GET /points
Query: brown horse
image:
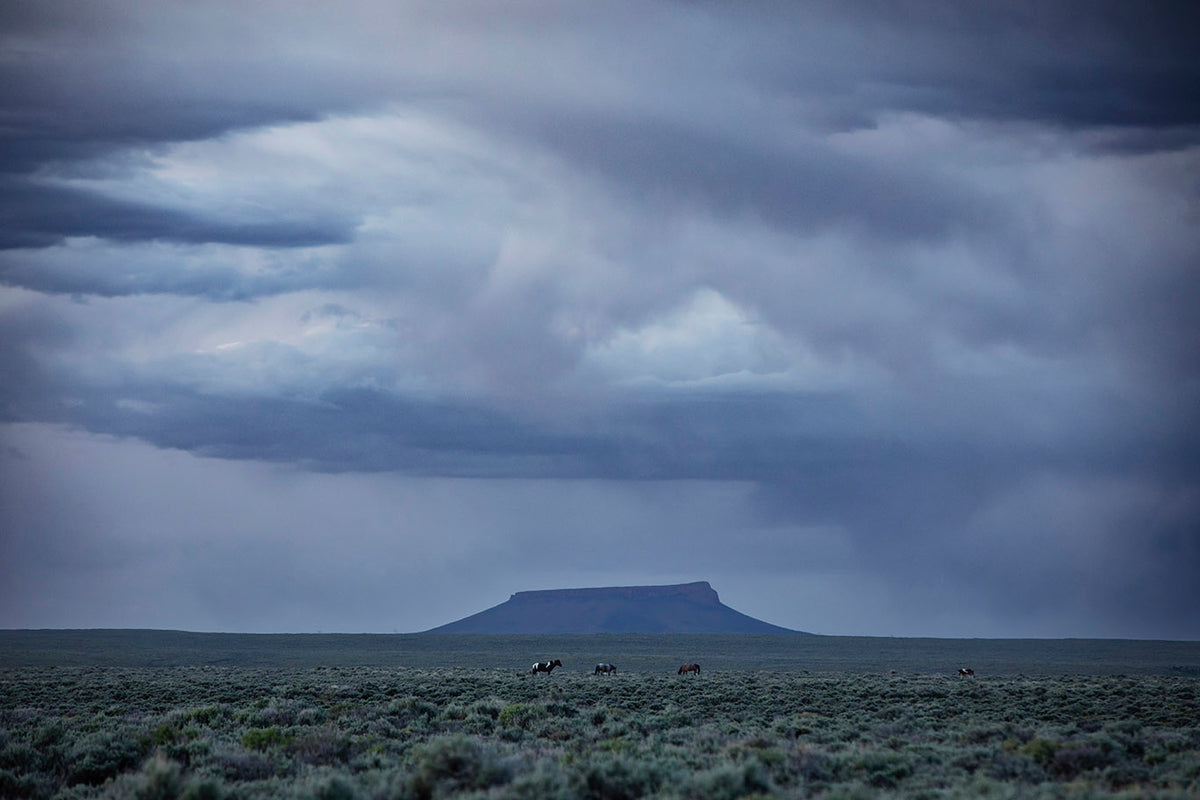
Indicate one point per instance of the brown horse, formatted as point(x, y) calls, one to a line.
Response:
point(966, 672)
point(689, 668)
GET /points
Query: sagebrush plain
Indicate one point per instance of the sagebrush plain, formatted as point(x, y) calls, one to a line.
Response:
point(164, 715)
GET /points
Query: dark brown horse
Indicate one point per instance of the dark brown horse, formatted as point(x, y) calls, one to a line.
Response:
point(544, 666)
point(604, 669)
point(689, 668)
point(966, 672)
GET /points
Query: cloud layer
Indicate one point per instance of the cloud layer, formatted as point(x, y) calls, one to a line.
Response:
point(879, 319)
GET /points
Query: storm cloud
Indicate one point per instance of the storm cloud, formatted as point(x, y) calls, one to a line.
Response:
point(879, 318)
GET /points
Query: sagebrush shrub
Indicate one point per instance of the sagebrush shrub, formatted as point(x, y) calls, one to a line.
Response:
point(617, 777)
point(158, 779)
point(265, 738)
point(520, 715)
point(323, 745)
point(455, 763)
point(728, 782)
point(97, 757)
point(204, 788)
point(329, 787)
point(1072, 760)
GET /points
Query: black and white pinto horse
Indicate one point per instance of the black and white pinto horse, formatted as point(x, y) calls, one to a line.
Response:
point(686, 668)
point(544, 666)
point(605, 669)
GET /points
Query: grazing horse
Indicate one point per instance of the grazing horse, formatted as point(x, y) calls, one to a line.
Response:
point(686, 668)
point(604, 669)
point(544, 666)
point(966, 672)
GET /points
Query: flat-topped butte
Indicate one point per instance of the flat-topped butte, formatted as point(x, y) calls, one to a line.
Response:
point(677, 608)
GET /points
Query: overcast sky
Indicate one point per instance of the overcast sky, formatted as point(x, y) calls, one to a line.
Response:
point(879, 317)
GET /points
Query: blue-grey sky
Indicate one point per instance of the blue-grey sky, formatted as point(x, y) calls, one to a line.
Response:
point(880, 317)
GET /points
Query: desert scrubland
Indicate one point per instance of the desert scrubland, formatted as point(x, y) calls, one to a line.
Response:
point(478, 728)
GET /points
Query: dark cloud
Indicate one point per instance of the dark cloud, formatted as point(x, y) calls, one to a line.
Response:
point(803, 189)
point(82, 82)
point(1074, 64)
point(36, 217)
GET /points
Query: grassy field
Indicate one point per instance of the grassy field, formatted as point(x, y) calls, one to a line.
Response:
point(632, 652)
point(163, 715)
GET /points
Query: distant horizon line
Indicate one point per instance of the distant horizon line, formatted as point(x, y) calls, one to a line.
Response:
point(426, 633)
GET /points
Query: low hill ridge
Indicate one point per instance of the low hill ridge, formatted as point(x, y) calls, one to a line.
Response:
point(677, 608)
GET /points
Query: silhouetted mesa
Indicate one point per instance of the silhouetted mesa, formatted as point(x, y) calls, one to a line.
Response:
point(681, 608)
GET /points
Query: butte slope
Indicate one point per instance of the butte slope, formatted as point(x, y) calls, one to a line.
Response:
point(680, 608)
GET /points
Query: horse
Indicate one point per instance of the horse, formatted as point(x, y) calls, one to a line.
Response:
point(604, 669)
point(544, 666)
point(966, 672)
point(686, 668)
